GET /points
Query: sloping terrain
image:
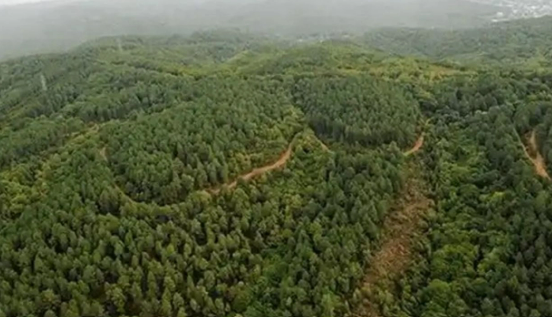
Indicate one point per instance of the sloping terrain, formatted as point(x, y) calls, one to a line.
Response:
point(108, 152)
point(512, 41)
point(282, 160)
point(120, 139)
point(400, 231)
point(533, 154)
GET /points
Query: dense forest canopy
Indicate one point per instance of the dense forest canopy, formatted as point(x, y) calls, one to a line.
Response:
point(232, 174)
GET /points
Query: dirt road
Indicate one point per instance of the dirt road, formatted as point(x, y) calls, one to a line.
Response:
point(284, 157)
point(533, 154)
point(417, 146)
point(261, 170)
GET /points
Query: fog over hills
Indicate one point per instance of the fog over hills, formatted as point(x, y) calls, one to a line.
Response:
point(56, 25)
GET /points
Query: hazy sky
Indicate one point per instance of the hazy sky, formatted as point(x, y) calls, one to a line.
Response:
point(11, 2)
point(19, 1)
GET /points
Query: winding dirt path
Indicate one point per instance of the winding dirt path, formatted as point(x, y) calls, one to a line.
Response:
point(533, 154)
point(284, 157)
point(258, 171)
point(417, 146)
point(396, 250)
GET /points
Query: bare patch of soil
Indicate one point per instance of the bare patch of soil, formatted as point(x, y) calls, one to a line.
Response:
point(396, 250)
point(533, 154)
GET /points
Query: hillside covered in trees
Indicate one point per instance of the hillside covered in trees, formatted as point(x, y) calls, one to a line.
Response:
point(502, 43)
point(230, 174)
point(44, 26)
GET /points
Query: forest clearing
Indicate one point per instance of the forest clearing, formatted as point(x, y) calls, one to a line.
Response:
point(396, 249)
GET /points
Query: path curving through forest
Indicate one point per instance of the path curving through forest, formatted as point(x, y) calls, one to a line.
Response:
point(533, 154)
point(282, 160)
point(417, 146)
point(284, 157)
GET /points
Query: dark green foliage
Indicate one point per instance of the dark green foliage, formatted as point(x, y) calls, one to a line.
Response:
point(117, 170)
point(21, 143)
point(360, 110)
point(108, 174)
point(487, 253)
point(204, 143)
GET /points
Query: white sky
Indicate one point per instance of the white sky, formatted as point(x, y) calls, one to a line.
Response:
point(9, 2)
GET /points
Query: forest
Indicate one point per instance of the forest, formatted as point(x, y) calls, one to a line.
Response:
point(233, 174)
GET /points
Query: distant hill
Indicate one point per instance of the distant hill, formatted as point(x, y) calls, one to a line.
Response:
point(58, 25)
point(514, 40)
